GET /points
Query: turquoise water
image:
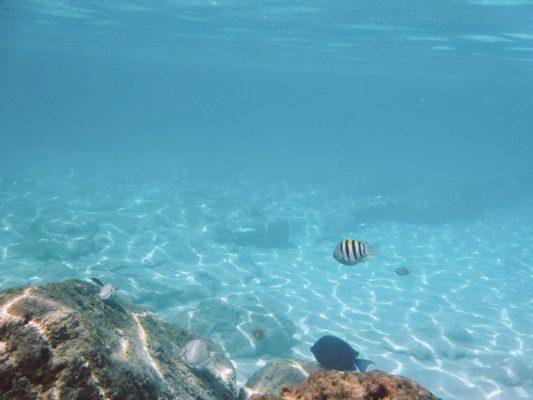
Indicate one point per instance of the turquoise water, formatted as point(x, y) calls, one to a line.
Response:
point(207, 156)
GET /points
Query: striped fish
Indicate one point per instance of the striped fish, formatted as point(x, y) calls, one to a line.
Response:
point(350, 252)
point(258, 333)
point(401, 271)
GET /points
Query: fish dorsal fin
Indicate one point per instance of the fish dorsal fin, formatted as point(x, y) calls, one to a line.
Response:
point(97, 282)
point(362, 364)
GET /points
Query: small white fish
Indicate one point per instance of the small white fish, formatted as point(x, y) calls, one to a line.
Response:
point(107, 292)
point(350, 252)
point(196, 354)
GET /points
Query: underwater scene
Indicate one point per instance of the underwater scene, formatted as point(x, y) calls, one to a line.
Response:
point(266, 173)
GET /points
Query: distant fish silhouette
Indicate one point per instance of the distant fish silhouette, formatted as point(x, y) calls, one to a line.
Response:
point(196, 354)
point(258, 333)
point(334, 353)
point(402, 271)
point(350, 252)
point(97, 281)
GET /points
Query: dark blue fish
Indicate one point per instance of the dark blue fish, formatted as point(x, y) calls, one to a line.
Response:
point(242, 394)
point(334, 353)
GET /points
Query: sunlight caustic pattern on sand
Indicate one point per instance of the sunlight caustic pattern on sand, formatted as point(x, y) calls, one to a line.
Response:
point(224, 259)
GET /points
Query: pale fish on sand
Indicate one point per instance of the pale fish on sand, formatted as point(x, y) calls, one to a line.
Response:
point(107, 292)
point(196, 353)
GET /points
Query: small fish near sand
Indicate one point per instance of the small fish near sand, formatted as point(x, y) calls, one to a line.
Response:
point(258, 333)
point(402, 271)
point(350, 252)
point(107, 292)
point(196, 354)
point(334, 353)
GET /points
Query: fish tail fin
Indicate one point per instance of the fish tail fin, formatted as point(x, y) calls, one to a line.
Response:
point(362, 364)
point(372, 249)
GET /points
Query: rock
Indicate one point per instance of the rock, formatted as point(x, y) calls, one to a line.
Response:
point(63, 341)
point(458, 335)
point(164, 294)
point(51, 238)
point(217, 319)
point(248, 268)
point(510, 372)
point(270, 235)
point(373, 385)
point(280, 373)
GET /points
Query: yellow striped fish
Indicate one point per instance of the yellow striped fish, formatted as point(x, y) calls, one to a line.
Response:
point(350, 252)
point(258, 333)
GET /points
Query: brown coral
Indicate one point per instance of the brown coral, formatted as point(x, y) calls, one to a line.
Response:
point(374, 385)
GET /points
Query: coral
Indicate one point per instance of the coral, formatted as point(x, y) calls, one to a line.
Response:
point(334, 385)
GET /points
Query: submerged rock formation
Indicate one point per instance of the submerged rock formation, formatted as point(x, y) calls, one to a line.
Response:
point(374, 385)
point(269, 235)
point(61, 341)
point(216, 318)
point(278, 374)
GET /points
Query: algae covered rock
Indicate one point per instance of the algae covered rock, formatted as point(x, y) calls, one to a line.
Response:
point(278, 374)
point(373, 385)
point(63, 341)
point(217, 319)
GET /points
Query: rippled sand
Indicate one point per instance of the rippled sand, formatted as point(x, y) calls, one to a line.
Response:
point(228, 249)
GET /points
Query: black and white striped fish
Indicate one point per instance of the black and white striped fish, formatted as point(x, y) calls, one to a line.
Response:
point(350, 252)
point(258, 333)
